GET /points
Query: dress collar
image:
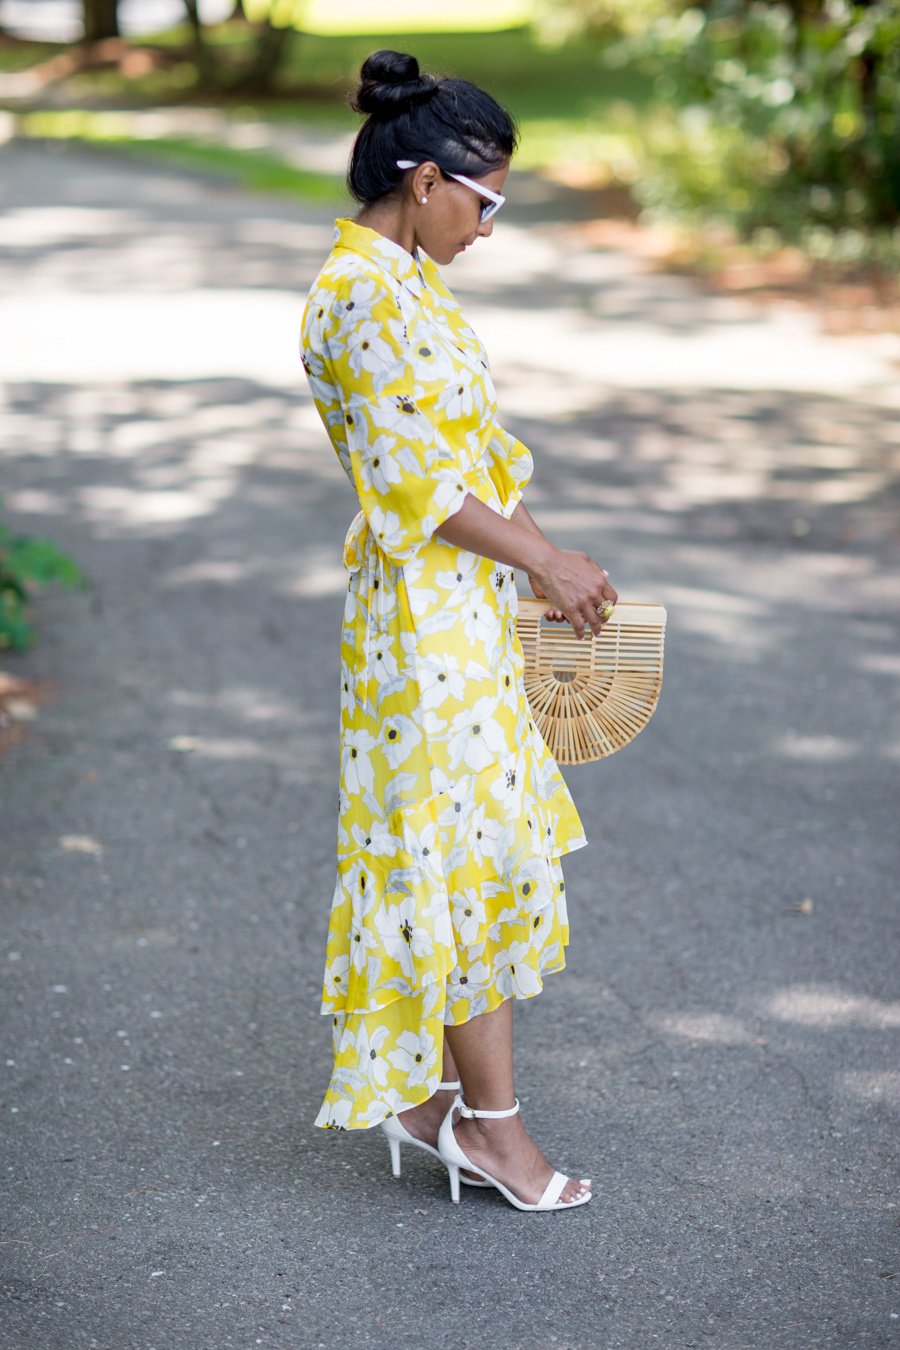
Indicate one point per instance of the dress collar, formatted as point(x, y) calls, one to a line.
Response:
point(392, 257)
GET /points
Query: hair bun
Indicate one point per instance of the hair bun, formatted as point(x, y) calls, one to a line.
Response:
point(389, 84)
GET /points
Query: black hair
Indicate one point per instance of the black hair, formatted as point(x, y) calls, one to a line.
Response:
point(422, 117)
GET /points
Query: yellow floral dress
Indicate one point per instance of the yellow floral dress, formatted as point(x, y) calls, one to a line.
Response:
point(453, 814)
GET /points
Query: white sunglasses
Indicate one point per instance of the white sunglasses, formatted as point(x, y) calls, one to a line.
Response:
point(492, 207)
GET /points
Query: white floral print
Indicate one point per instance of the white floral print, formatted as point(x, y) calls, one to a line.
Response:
point(453, 816)
point(415, 1056)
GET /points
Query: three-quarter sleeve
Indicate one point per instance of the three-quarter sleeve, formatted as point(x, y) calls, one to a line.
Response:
point(397, 433)
point(510, 466)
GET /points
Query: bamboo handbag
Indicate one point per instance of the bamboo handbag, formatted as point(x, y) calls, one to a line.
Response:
point(590, 698)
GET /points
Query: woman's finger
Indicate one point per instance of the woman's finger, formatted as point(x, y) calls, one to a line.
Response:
point(593, 619)
point(577, 622)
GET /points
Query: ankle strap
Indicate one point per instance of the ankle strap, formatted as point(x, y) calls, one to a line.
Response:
point(470, 1113)
point(448, 1087)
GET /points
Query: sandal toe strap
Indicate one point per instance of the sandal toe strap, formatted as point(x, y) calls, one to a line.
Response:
point(554, 1190)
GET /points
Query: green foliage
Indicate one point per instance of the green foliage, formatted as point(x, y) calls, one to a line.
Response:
point(784, 119)
point(558, 22)
point(26, 562)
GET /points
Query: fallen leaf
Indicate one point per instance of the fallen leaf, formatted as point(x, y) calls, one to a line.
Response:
point(81, 843)
point(21, 709)
point(9, 684)
point(184, 743)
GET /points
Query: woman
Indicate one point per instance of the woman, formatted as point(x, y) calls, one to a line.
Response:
point(453, 815)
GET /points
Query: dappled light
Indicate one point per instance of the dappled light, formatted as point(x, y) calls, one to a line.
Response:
point(722, 1046)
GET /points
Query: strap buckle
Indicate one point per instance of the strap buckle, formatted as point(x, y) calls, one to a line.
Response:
point(471, 1114)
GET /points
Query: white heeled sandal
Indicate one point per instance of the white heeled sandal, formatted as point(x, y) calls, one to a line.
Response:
point(453, 1159)
point(398, 1134)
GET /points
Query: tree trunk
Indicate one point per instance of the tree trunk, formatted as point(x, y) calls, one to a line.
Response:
point(270, 45)
point(100, 20)
point(194, 20)
point(203, 53)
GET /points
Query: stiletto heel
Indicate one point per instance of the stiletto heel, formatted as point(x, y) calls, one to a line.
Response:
point(398, 1134)
point(453, 1158)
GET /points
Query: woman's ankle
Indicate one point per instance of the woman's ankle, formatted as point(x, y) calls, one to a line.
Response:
point(494, 1135)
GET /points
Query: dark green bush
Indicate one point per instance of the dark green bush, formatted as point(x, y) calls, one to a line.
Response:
point(26, 562)
point(806, 101)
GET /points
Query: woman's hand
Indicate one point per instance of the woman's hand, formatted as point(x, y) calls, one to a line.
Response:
point(577, 588)
point(554, 615)
point(521, 517)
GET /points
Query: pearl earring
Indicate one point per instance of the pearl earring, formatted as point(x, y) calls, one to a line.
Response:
point(424, 201)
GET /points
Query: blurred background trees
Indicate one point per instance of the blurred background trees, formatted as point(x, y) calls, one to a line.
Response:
point(794, 113)
point(779, 119)
point(773, 123)
point(101, 19)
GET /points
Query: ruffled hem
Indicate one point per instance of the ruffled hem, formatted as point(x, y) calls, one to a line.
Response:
point(390, 1060)
point(441, 877)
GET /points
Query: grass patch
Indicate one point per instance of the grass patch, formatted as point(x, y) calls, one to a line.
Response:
point(316, 73)
point(531, 80)
point(251, 169)
point(255, 170)
point(20, 55)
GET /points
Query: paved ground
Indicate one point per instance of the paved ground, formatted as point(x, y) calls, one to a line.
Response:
point(724, 1066)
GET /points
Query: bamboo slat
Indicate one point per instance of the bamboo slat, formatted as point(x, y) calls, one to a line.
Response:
point(590, 698)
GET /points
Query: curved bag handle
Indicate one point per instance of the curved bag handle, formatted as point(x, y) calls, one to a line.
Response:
point(590, 698)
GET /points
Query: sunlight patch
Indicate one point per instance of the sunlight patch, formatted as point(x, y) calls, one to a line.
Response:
point(706, 1027)
point(817, 749)
point(319, 581)
point(827, 1008)
point(873, 1087)
point(130, 506)
point(211, 569)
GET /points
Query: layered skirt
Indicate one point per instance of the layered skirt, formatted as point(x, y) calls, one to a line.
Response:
point(454, 817)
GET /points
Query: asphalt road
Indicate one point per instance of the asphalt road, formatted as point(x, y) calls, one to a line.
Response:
point(721, 1052)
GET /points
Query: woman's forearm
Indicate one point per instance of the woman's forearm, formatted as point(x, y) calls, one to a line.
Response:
point(521, 516)
point(572, 582)
point(478, 529)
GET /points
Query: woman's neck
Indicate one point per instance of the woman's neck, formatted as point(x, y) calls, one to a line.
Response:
point(392, 222)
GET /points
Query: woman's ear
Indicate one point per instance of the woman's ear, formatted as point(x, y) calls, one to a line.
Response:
point(424, 180)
